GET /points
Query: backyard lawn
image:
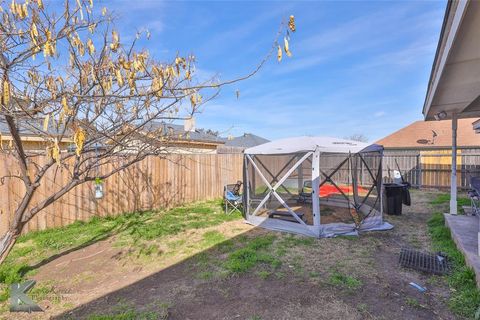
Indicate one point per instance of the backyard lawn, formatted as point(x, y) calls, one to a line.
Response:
point(194, 262)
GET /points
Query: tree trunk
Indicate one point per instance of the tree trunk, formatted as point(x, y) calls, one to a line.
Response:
point(7, 242)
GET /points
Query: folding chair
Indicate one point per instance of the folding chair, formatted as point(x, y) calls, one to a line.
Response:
point(305, 195)
point(474, 195)
point(232, 198)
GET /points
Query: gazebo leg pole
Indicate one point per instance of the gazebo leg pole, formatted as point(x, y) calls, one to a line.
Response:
point(453, 179)
point(316, 190)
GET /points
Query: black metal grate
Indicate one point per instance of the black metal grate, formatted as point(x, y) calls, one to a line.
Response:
point(436, 263)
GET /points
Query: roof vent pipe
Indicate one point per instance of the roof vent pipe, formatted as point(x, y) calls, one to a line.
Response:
point(189, 125)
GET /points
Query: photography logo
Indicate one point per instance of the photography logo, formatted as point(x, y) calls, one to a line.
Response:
point(19, 301)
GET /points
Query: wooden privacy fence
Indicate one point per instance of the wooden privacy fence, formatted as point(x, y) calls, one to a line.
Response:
point(162, 182)
point(423, 169)
point(152, 183)
point(431, 169)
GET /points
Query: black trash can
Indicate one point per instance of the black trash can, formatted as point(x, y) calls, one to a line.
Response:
point(406, 194)
point(394, 197)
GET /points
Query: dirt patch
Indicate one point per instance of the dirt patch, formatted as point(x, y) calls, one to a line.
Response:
point(190, 284)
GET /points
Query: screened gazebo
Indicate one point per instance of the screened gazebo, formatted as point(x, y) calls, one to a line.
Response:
point(316, 186)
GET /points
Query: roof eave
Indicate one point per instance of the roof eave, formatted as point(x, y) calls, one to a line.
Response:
point(443, 49)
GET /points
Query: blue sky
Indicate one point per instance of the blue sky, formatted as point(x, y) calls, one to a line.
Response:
point(357, 67)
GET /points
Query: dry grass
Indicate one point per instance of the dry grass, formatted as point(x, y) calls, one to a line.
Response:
point(235, 271)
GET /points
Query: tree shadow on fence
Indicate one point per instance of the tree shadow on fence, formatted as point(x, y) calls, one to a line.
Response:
point(135, 189)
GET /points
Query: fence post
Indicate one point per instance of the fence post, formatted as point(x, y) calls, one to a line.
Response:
point(419, 170)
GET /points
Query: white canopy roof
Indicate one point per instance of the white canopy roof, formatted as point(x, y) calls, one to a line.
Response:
point(305, 144)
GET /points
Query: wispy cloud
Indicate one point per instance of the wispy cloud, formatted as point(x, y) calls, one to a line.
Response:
point(366, 32)
point(222, 40)
point(405, 57)
point(359, 67)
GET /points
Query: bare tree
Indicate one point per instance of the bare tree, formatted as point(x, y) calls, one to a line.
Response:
point(358, 137)
point(69, 67)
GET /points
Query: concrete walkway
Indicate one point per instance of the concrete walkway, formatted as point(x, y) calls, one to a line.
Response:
point(464, 231)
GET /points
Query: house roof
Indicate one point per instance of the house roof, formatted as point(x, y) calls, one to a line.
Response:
point(29, 127)
point(247, 140)
point(420, 134)
point(178, 132)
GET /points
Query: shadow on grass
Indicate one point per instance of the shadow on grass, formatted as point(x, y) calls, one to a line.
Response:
point(206, 285)
point(37, 249)
point(257, 274)
point(226, 281)
point(254, 275)
point(25, 269)
point(55, 240)
point(83, 245)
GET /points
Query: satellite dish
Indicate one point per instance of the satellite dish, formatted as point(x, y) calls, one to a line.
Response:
point(423, 141)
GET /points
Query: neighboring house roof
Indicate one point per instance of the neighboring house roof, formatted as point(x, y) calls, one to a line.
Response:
point(29, 127)
point(247, 140)
point(420, 135)
point(178, 132)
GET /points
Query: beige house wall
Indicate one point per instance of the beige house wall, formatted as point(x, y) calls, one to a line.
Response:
point(32, 143)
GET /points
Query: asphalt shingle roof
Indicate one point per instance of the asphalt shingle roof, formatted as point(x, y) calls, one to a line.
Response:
point(176, 130)
point(419, 134)
point(248, 140)
point(27, 127)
